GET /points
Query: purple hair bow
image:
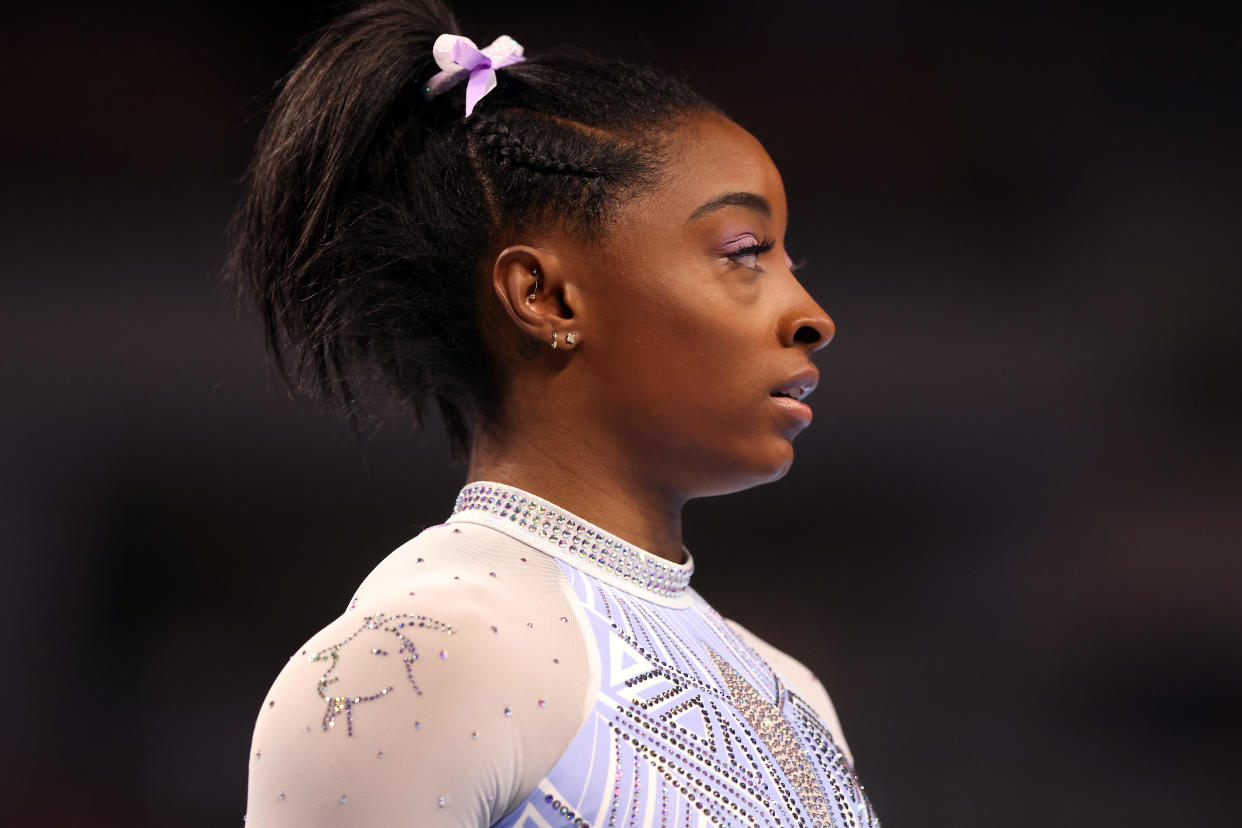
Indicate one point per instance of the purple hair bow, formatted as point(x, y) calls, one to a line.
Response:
point(459, 57)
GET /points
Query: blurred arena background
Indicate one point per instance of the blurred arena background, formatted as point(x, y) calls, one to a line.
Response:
point(1009, 545)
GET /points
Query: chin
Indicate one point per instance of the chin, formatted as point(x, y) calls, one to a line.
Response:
point(756, 469)
point(786, 463)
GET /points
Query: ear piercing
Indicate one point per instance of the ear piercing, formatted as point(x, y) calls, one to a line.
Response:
point(534, 271)
point(570, 338)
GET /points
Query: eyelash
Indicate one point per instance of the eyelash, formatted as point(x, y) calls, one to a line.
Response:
point(755, 250)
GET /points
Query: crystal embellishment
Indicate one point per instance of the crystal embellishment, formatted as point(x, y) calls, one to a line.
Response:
point(782, 742)
point(380, 629)
point(572, 537)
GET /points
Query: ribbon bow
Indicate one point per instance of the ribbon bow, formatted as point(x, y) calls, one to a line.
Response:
point(458, 57)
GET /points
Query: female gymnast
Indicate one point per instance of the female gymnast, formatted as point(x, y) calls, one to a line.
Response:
point(580, 265)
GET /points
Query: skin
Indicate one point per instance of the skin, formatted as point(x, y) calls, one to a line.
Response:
point(666, 394)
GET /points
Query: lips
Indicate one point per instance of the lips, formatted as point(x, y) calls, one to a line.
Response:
point(790, 393)
point(798, 387)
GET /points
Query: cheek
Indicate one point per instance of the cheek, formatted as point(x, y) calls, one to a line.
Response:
point(685, 303)
point(693, 369)
point(685, 390)
point(679, 339)
point(684, 343)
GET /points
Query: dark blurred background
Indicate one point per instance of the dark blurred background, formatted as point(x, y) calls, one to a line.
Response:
point(1010, 543)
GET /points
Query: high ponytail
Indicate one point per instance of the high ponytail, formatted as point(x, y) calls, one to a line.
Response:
point(369, 209)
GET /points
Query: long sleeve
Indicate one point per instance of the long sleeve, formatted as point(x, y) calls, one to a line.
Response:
point(447, 690)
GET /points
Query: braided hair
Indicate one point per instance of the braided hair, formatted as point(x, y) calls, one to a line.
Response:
point(370, 211)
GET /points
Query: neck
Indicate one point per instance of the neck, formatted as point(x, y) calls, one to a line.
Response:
point(578, 479)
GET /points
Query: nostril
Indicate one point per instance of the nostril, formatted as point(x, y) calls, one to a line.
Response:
point(807, 335)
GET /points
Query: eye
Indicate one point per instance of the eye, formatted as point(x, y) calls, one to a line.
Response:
point(749, 256)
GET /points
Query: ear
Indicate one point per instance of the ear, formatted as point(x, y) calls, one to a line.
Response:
point(537, 292)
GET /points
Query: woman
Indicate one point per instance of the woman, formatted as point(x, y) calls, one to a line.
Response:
point(581, 265)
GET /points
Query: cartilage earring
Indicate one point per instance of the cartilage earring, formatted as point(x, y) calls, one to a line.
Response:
point(571, 337)
point(554, 336)
point(534, 271)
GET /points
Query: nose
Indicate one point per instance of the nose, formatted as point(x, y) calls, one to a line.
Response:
point(812, 326)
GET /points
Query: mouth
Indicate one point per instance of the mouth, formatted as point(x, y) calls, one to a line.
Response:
point(798, 387)
point(790, 395)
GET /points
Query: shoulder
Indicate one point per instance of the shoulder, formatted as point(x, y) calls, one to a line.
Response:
point(439, 697)
point(798, 678)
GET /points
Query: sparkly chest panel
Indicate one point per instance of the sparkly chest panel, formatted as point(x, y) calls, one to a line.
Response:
point(689, 727)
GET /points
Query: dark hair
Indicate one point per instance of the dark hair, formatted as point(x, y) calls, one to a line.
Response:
point(369, 209)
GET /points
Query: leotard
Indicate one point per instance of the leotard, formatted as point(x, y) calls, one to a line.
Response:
point(519, 666)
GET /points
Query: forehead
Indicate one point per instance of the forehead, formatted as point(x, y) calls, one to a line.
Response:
point(709, 155)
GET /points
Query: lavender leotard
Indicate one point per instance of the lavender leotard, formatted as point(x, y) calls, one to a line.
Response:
point(518, 666)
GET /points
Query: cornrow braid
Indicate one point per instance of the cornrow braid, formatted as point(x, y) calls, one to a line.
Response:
point(537, 169)
point(512, 147)
point(369, 210)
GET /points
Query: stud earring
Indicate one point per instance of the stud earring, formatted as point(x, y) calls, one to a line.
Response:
point(571, 337)
point(554, 336)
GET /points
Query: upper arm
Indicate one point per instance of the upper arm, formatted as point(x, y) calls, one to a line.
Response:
point(368, 725)
point(437, 701)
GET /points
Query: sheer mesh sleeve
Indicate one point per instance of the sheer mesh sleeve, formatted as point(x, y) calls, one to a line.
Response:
point(452, 684)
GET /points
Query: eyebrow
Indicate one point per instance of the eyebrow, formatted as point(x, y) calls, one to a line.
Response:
point(752, 201)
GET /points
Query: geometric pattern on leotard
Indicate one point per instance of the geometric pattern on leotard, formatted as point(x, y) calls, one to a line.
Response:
point(690, 727)
point(778, 735)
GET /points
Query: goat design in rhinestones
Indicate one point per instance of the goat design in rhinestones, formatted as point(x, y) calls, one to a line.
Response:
point(379, 630)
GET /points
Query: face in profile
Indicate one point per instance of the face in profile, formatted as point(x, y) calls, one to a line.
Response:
point(700, 334)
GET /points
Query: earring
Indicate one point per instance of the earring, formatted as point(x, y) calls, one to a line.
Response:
point(571, 337)
point(554, 336)
point(534, 271)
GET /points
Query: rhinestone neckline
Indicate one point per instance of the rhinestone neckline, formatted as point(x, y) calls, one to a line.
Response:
point(578, 542)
